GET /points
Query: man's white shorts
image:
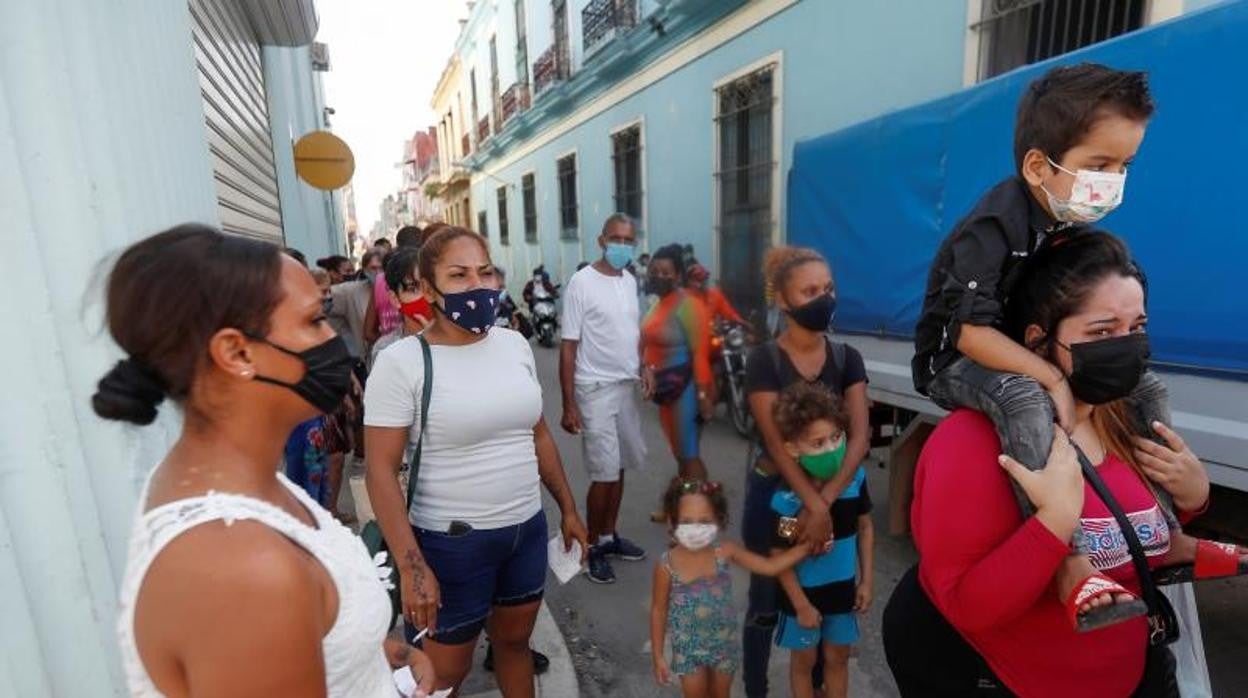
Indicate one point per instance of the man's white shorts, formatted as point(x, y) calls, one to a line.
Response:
point(610, 429)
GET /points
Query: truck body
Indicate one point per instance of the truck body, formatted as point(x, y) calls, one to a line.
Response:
point(878, 198)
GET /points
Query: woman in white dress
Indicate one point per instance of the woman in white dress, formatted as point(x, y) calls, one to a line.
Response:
point(237, 583)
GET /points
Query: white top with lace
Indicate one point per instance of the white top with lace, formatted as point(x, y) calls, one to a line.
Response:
point(355, 665)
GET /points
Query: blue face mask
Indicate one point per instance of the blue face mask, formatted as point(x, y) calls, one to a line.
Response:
point(618, 255)
point(474, 310)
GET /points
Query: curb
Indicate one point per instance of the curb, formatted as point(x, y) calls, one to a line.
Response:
point(560, 680)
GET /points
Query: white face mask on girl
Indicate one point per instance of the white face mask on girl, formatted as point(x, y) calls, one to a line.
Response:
point(696, 536)
point(1092, 196)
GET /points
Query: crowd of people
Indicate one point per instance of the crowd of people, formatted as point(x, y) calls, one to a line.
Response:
point(1048, 506)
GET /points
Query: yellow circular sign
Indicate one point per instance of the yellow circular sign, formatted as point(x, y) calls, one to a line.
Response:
point(324, 160)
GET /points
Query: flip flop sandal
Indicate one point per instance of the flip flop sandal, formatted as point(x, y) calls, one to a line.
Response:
point(1101, 616)
point(1213, 561)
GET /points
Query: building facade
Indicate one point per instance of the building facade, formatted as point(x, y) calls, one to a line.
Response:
point(684, 113)
point(420, 164)
point(454, 143)
point(117, 120)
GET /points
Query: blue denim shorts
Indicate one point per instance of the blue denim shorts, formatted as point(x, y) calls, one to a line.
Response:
point(480, 569)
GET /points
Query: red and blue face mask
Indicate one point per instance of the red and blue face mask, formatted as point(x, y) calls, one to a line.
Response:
point(416, 309)
point(474, 310)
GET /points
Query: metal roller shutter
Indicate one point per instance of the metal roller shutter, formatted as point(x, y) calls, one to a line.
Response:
point(231, 81)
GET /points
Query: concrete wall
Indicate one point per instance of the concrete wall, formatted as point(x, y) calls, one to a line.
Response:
point(311, 218)
point(842, 62)
point(102, 141)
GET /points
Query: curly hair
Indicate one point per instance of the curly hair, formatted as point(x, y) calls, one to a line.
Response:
point(681, 487)
point(780, 263)
point(803, 404)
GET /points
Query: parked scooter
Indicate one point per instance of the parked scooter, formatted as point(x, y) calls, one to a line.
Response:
point(728, 350)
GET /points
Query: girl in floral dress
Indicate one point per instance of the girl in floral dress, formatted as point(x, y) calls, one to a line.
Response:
point(692, 599)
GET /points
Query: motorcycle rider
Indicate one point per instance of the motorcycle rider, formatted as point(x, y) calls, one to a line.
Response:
point(717, 306)
point(541, 278)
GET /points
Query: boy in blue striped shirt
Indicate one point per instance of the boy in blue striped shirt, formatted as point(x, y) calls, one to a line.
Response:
point(823, 593)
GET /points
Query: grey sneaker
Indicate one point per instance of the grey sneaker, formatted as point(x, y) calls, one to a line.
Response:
point(622, 549)
point(599, 570)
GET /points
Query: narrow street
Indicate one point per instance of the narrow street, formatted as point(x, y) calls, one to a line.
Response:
point(606, 627)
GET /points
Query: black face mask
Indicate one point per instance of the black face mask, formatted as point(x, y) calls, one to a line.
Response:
point(1107, 369)
point(815, 315)
point(327, 373)
point(661, 286)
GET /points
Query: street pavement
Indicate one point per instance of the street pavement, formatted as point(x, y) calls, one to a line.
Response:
point(606, 627)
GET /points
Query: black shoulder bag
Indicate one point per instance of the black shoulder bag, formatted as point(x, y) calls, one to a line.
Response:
point(374, 541)
point(1159, 680)
point(1163, 625)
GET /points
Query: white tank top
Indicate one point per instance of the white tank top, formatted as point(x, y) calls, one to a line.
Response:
point(355, 665)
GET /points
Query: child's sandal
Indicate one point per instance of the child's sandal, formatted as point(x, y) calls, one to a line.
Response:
point(1101, 616)
point(1213, 561)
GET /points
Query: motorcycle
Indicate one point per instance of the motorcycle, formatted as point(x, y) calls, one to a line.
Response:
point(545, 319)
point(728, 350)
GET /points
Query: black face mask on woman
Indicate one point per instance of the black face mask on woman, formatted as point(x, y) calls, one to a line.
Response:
point(1105, 370)
point(661, 286)
point(815, 315)
point(326, 376)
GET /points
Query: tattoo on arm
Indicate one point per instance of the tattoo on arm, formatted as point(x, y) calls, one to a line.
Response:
point(416, 564)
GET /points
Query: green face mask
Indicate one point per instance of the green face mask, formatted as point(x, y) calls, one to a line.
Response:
point(824, 465)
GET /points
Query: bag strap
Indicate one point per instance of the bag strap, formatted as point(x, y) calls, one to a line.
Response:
point(773, 353)
point(838, 361)
point(1138, 558)
point(426, 390)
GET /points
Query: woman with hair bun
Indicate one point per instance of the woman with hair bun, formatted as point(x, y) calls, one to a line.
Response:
point(237, 582)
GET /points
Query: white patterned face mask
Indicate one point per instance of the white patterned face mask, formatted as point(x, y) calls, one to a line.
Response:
point(1092, 196)
point(696, 536)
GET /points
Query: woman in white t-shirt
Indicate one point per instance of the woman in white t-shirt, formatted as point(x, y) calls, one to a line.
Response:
point(471, 548)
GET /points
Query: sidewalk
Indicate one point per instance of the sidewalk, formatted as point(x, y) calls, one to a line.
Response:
point(558, 682)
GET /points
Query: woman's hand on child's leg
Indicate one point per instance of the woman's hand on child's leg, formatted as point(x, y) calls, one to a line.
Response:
point(1175, 468)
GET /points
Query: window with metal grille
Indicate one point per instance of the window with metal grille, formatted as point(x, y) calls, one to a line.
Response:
point(1013, 33)
point(568, 219)
point(626, 157)
point(483, 224)
point(746, 164)
point(528, 197)
point(504, 233)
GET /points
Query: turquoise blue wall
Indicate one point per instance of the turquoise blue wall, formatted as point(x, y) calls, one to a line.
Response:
point(842, 62)
point(311, 218)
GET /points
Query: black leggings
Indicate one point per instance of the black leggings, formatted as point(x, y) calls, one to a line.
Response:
point(927, 656)
point(930, 659)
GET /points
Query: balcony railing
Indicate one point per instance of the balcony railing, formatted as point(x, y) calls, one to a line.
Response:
point(603, 19)
point(514, 101)
point(551, 67)
point(466, 142)
point(483, 129)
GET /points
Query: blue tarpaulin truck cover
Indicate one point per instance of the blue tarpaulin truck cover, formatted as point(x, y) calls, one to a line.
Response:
point(877, 198)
